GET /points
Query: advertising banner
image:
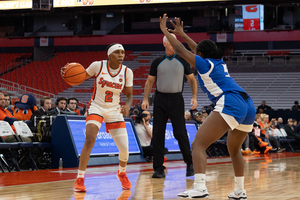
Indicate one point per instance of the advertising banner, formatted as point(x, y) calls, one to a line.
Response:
point(11, 5)
point(75, 3)
point(104, 144)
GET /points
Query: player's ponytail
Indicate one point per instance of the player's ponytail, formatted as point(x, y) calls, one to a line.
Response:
point(209, 49)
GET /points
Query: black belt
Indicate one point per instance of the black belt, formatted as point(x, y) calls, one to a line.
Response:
point(168, 94)
point(244, 95)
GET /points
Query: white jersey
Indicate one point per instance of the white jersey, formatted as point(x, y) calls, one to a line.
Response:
point(108, 86)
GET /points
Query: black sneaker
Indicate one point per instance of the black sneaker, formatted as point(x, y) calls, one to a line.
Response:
point(148, 159)
point(281, 150)
point(158, 174)
point(189, 170)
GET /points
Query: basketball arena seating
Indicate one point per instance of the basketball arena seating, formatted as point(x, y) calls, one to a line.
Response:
point(11, 61)
point(7, 58)
point(279, 90)
point(264, 58)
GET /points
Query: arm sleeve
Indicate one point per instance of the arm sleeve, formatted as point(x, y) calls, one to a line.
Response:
point(202, 65)
point(187, 69)
point(93, 69)
point(10, 120)
point(153, 68)
point(129, 78)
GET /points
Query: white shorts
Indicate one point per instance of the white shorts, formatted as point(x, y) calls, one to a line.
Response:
point(239, 113)
point(233, 124)
point(111, 116)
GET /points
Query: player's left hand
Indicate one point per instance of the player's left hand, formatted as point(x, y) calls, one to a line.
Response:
point(194, 103)
point(163, 23)
point(178, 27)
point(124, 110)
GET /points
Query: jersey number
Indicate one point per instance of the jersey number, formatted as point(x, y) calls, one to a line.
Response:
point(108, 96)
point(226, 70)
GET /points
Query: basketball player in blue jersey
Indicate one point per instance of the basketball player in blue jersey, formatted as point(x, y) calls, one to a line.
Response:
point(234, 110)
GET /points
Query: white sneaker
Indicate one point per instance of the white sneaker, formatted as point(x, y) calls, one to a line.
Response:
point(238, 195)
point(194, 192)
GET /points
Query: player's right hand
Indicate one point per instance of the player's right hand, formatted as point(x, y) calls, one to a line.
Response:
point(62, 70)
point(145, 105)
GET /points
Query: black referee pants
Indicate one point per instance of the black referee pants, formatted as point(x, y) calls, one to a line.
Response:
point(169, 105)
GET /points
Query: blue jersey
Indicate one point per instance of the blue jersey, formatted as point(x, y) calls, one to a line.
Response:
point(214, 78)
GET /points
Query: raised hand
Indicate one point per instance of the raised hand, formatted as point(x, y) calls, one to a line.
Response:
point(163, 23)
point(178, 26)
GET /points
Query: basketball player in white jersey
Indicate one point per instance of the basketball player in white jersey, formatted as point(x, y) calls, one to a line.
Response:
point(110, 79)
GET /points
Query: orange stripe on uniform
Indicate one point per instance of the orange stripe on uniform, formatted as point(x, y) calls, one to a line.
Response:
point(100, 69)
point(94, 117)
point(115, 125)
point(95, 88)
point(95, 82)
point(125, 76)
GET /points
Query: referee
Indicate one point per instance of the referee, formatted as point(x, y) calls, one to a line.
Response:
point(169, 71)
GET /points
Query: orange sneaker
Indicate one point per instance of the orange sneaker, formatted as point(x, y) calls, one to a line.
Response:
point(79, 195)
point(125, 183)
point(244, 152)
point(256, 152)
point(263, 144)
point(125, 194)
point(268, 149)
point(79, 185)
point(250, 152)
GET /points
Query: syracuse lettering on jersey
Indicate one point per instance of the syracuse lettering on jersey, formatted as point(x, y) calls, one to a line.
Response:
point(103, 83)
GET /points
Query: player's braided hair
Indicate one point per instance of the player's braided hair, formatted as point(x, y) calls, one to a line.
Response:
point(209, 49)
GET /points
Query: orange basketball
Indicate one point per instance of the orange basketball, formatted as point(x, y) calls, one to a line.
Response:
point(74, 74)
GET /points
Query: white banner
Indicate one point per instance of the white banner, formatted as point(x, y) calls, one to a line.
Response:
point(44, 42)
point(221, 37)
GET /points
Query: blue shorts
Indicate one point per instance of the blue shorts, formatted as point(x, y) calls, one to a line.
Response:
point(237, 109)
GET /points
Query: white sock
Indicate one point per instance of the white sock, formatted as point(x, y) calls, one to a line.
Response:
point(122, 169)
point(80, 174)
point(200, 180)
point(239, 183)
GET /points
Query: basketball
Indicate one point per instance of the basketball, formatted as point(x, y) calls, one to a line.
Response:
point(74, 74)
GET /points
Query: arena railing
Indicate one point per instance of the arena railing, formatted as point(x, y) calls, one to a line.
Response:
point(251, 60)
point(22, 89)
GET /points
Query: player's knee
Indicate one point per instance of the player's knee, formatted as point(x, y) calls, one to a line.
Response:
point(123, 155)
point(90, 141)
point(198, 145)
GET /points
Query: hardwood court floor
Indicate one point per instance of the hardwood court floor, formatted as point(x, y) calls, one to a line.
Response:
point(274, 176)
